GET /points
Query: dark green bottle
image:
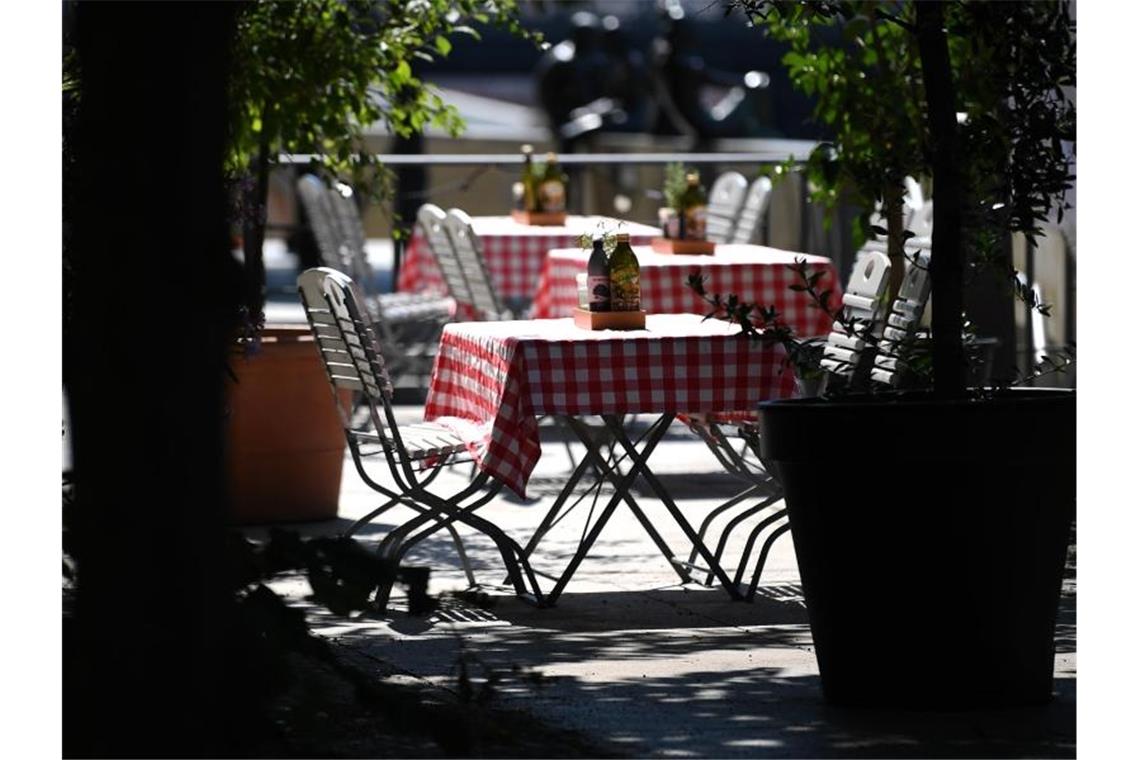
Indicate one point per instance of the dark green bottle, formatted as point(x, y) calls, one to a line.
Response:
point(552, 187)
point(598, 278)
point(529, 197)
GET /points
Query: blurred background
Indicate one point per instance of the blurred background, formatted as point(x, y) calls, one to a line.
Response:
point(619, 76)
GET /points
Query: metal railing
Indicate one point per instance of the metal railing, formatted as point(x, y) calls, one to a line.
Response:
point(814, 236)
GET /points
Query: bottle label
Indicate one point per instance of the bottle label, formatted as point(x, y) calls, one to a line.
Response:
point(695, 222)
point(598, 292)
point(625, 291)
point(552, 196)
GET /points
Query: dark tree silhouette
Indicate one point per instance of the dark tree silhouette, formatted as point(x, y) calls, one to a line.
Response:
point(153, 290)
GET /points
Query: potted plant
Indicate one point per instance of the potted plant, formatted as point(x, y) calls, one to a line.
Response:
point(672, 190)
point(309, 78)
point(931, 541)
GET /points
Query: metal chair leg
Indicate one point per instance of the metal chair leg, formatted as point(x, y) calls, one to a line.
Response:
point(722, 542)
point(751, 593)
point(770, 520)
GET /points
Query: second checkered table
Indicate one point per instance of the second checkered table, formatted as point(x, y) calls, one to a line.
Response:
point(755, 273)
point(514, 252)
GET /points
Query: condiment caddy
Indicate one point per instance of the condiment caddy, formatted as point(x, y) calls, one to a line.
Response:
point(684, 221)
point(540, 196)
point(612, 295)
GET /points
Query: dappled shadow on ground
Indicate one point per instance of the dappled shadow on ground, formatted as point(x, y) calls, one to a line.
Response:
point(685, 671)
point(676, 607)
point(759, 711)
point(677, 672)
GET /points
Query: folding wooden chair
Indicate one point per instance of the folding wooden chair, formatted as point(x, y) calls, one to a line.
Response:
point(485, 299)
point(754, 212)
point(415, 454)
point(725, 199)
point(845, 356)
point(408, 324)
point(905, 315)
point(433, 222)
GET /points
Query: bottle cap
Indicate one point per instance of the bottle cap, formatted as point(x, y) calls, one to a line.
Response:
point(623, 237)
point(527, 149)
point(693, 178)
point(599, 240)
point(551, 157)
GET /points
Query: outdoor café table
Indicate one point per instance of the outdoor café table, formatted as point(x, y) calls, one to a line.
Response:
point(498, 378)
point(514, 252)
point(755, 273)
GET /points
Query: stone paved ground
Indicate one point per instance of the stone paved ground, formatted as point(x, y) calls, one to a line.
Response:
point(640, 664)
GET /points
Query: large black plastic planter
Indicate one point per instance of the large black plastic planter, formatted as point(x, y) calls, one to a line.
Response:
point(931, 539)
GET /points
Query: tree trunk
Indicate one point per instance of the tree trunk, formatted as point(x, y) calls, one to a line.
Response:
point(946, 254)
point(154, 293)
point(893, 213)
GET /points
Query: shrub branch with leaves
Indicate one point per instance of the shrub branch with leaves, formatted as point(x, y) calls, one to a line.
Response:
point(970, 93)
point(310, 76)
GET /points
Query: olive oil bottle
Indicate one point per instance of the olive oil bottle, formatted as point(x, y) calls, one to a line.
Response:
point(552, 187)
point(625, 277)
point(529, 195)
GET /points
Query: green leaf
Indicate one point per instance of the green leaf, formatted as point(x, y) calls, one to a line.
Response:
point(402, 73)
point(442, 44)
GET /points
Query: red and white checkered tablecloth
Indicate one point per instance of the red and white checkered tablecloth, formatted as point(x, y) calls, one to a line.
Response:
point(515, 252)
point(755, 273)
point(493, 379)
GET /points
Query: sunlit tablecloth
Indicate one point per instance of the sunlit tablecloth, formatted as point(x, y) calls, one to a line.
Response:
point(755, 273)
point(495, 378)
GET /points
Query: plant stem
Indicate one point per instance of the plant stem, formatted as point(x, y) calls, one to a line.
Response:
point(946, 253)
point(893, 213)
point(253, 233)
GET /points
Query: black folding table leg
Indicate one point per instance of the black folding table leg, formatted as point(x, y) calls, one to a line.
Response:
point(641, 465)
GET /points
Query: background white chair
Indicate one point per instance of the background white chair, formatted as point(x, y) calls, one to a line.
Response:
point(408, 325)
point(753, 212)
point(844, 355)
point(433, 223)
point(725, 199)
point(485, 300)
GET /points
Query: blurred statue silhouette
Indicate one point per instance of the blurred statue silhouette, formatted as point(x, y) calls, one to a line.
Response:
point(598, 80)
point(696, 99)
point(594, 80)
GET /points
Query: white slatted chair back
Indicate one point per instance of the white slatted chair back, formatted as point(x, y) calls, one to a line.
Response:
point(862, 302)
point(469, 250)
point(903, 319)
point(316, 200)
point(725, 199)
point(922, 222)
point(753, 212)
point(352, 237)
point(433, 223)
point(345, 339)
point(913, 198)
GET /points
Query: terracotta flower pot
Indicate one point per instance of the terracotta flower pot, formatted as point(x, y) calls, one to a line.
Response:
point(284, 440)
